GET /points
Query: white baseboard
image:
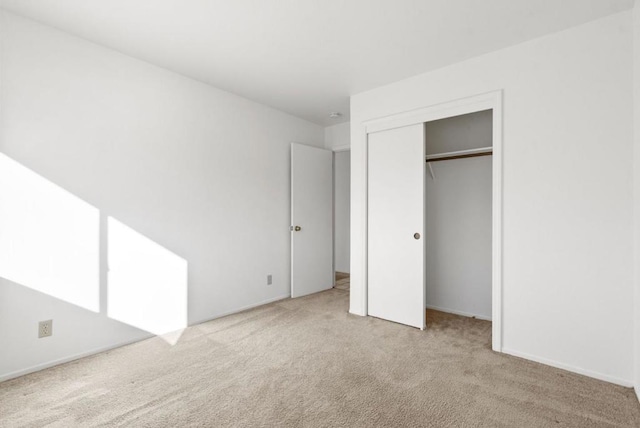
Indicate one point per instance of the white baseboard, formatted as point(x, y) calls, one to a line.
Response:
point(243, 308)
point(74, 357)
point(637, 389)
point(455, 312)
point(570, 368)
point(359, 313)
point(49, 364)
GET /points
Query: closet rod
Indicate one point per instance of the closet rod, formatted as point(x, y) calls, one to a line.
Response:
point(470, 155)
point(483, 151)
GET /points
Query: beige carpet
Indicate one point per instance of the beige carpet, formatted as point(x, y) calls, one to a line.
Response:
point(343, 281)
point(307, 363)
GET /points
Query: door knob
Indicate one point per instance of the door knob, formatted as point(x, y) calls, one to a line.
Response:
point(297, 228)
point(416, 235)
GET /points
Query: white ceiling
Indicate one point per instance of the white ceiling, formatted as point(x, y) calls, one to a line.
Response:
point(306, 57)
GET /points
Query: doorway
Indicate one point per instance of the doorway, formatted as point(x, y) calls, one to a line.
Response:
point(458, 215)
point(342, 218)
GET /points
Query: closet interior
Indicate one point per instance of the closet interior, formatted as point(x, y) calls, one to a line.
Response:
point(458, 215)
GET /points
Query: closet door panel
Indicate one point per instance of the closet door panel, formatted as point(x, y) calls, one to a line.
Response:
point(396, 249)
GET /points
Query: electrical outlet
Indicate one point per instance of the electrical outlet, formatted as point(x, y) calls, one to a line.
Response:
point(269, 279)
point(45, 328)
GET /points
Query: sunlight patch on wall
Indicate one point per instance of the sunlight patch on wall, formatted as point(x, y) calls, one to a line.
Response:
point(49, 238)
point(147, 285)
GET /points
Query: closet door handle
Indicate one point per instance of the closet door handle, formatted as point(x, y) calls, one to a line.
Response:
point(416, 235)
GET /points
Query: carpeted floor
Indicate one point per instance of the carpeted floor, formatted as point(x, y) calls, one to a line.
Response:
point(343, 281)
point(308, 363)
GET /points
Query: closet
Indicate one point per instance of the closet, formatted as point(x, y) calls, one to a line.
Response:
point(458, 214)
point(429, 216)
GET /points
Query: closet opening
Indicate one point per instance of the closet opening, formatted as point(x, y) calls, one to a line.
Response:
point(459, 221)
point(433, 219)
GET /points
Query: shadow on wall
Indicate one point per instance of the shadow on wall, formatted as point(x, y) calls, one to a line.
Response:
point(50, 242)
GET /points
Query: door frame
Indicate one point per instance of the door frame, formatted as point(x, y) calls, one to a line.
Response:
point(487, 101)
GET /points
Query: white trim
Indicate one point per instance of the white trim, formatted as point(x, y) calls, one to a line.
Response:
point(341, 148)
point(569, 367)
point(488, 101)
point(333, 220)
point(364, 308)
point(496, 229)
point(424, 226)
point(49, 364)
point(38, 367)
point(637, 389)
point(242, 309)
point(456, 312)
point(457, 107)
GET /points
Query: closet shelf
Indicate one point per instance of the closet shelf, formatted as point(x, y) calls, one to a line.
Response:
point(481, 151)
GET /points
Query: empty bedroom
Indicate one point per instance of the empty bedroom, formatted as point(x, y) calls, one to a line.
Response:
point(304, 213)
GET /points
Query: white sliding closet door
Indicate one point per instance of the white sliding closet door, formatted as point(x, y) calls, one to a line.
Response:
point(396, 249)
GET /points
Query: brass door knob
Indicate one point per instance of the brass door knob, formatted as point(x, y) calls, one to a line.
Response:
point(297, 228)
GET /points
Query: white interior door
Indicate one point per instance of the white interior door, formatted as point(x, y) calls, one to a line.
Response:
point(311, 220)
point(396, 250)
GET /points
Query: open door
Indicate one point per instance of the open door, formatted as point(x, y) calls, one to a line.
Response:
point(311, 220)
point(396, 219)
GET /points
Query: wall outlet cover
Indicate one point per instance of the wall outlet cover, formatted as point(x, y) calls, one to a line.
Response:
point(45, 328)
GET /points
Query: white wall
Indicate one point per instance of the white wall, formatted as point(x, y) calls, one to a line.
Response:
point(636, 49)
point(467, 131)
point(458, 217)
point(337, 137)
point(567, 191)
point(342, 201)
point(202, 173)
